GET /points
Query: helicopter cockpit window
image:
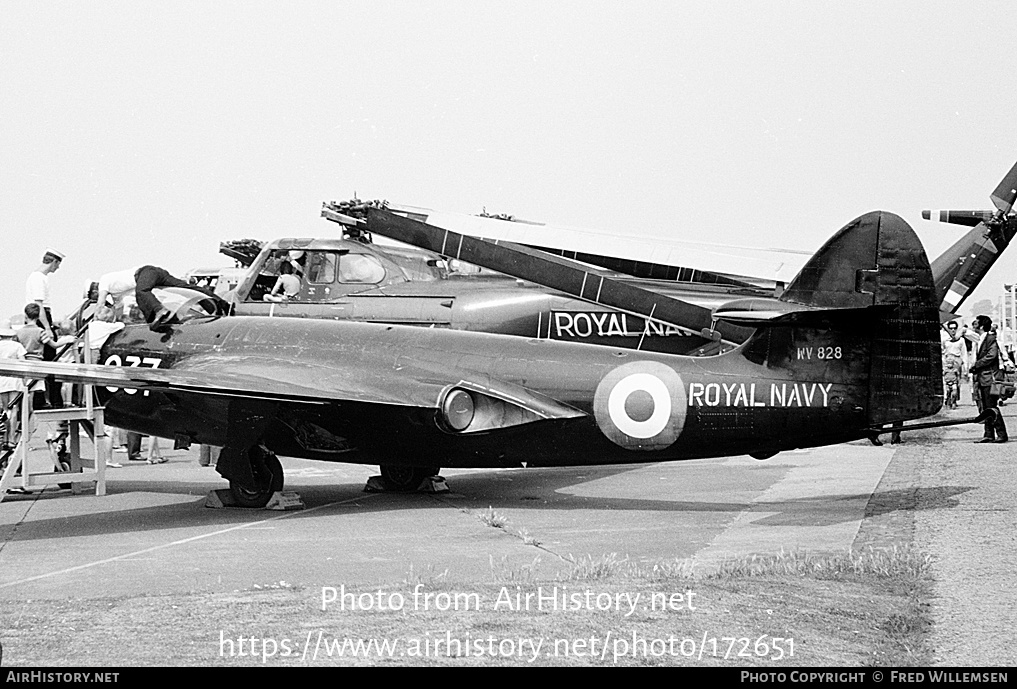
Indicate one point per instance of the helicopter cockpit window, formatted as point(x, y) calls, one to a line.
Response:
point(269, 274)
point(321, 267)
point(319, 273)
point(361, 268)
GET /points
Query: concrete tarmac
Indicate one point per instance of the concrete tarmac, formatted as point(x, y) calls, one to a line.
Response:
point(152, 533)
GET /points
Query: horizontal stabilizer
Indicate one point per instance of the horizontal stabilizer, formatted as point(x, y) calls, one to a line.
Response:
point(762, 313)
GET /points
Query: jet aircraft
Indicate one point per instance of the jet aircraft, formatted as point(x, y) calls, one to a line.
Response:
point(850, 347)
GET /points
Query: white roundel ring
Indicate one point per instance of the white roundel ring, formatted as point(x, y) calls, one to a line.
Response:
point(641, 405)
point(620, 393)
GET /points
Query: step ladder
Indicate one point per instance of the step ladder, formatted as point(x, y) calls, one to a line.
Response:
point(79, 472)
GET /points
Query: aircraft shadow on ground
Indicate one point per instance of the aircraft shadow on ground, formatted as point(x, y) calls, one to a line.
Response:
point(914, 499)
point(100, 518)
point(826, 510)
point(536, 489)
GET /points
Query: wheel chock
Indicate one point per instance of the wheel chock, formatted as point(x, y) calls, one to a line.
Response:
point(431, 484)
point(280, 500)
point(434, 484)
point(285, 500)
point(375, 484)
point(217, 499)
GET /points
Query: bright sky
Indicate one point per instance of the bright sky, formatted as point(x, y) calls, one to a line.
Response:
point(148, 132)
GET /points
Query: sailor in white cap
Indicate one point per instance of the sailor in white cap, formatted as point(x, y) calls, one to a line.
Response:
point(37, 285)
point(37, 291)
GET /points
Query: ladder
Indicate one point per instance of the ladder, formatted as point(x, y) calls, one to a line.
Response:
point(80, 471)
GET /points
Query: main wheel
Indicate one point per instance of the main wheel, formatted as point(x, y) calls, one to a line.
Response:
point(404, 479)
point(268, 479)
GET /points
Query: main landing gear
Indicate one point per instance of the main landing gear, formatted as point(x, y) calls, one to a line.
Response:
point(404, 479)
point(268, 479)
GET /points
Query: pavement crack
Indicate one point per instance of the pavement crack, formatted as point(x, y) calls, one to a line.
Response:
point(24, 516)
point(495, 520)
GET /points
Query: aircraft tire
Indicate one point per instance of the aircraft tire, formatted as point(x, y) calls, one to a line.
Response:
point(268, 474)
point(404, 479)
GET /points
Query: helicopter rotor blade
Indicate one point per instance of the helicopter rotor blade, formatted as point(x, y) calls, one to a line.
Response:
point(588, 284)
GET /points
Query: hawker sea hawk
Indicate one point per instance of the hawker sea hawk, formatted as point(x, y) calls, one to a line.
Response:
point(851, 347)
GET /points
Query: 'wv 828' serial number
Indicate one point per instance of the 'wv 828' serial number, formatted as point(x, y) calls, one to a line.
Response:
point(820, 353)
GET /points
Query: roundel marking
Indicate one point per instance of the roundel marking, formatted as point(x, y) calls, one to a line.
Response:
point(621, 414)
point(641, 405)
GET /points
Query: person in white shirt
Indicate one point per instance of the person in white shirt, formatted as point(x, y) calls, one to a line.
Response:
point(37, 292)
point(142, 281)
point(37, 287)
point(955, 362)
point(287, 286)
point(116, 286)
point(10, 348)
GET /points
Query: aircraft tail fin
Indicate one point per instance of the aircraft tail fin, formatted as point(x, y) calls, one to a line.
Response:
point(866, 301)
point(875, 259)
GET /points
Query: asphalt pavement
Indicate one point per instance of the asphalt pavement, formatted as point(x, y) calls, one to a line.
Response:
point(153, 534)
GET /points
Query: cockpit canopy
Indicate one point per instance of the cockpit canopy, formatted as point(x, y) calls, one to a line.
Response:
point(183, 303)
point(324, 270)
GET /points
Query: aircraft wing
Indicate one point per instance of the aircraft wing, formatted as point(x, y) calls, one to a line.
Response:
point(259, 377)
point(263, 385)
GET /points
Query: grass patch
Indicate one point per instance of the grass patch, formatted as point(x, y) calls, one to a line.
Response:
point(862, 608)
point(492, 518)
point(429, 575)
point(527, 538)
point(588, 568)
point(502, 571)
point(896, 562)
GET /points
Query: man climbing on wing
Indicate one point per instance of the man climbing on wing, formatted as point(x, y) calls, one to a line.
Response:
point(143, 280)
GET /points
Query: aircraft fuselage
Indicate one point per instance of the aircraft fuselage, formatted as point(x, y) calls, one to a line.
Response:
point(785, 391)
